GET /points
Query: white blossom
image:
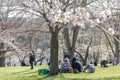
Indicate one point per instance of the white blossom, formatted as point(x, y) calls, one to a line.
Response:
point(111, 30)
point(77, 16)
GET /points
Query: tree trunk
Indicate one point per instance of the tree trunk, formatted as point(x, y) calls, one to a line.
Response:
point(2, 59)
point(71, 46)
point(2, 55)
point(87, 53)
point(81, 57)
point(75, 34)
point(40, 62)
point(109, 43)
point(54, 69)
point(96, 57)
point(117, 48)
point(67, 40)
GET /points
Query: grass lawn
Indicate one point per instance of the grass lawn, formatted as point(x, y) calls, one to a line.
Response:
point(25, 73)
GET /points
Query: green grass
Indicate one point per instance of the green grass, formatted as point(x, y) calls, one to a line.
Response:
point(25, 73)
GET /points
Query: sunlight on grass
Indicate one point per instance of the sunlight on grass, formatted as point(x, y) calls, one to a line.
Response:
point(25, 73)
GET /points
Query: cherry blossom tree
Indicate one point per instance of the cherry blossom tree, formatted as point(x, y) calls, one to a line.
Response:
point(9, 19)
point(62, 13)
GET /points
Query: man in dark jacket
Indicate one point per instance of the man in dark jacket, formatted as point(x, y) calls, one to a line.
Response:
point(31, 59)
point(77, 67)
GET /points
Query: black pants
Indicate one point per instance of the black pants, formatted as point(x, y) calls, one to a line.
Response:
point(31, 64)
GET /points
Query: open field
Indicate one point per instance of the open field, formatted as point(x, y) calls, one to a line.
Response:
point(25, 73)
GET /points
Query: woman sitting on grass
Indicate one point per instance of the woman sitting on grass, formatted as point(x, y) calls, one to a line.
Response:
point(89, 68)
point(65, 66)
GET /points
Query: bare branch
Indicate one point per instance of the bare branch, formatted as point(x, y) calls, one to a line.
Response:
point(104, 30)
point(36, 30)
point(91, 2)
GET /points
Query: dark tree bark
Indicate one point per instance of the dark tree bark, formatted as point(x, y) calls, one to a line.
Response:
point(81, 57)
point(2, 55)
point(87, 53)
point(75, 34)
point(39, 60)
point(67, 39)
point(71, 46)
point(96, 57)
point(2, 58)
point(109, 43)
point(117, 48)
point(54, 68)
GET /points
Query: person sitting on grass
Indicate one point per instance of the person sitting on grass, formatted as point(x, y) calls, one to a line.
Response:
point(48, 66)
point(23, 63)
point(103, 63)
point(66, 66)
point(89, 68)
point(77, 67)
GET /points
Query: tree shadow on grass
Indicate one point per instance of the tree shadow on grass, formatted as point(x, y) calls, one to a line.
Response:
point(112, 78)
point(62, 77)
point(20, 72)
point(106, 78)
point(27, 70)
point(47, 77)
point(33, 72)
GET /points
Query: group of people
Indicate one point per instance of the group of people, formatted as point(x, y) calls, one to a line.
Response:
point(113, 61)
point(66, 66)
point(75, 66)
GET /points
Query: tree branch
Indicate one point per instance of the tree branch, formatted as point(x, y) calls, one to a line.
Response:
point(104, 30)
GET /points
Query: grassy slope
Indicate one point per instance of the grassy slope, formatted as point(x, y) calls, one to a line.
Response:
point(24, 73)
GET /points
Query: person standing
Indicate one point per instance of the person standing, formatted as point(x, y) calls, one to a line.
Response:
point(114, 60)
point(31, 60)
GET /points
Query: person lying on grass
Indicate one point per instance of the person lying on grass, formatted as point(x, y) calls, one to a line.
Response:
point(89, 68)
